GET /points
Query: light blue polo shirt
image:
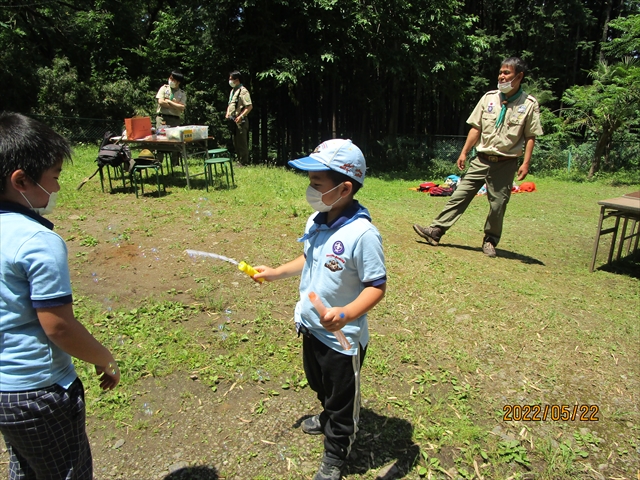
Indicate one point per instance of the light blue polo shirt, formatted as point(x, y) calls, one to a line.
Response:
point(34, 273)
point(341, 259)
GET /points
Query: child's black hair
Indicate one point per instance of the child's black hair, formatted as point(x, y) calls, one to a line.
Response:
point(339, 178)
point(29, 145)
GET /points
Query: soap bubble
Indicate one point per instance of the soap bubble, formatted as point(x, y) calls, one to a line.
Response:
point(282, 453)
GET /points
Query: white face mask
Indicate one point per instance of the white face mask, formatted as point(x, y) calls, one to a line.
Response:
point(505, 87)
point(53, 199)
point(173, 84)
point(314, 199)
point(232, 84)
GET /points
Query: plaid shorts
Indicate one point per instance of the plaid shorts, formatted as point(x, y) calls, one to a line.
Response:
point(45, 433)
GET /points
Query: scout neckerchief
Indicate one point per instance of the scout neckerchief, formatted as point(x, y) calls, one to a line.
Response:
point(170, 92)
point(233, 92)
point(504, 101)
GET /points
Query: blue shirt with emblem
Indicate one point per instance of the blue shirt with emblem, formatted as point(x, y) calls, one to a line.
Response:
point(34, 274)
point(341, 259)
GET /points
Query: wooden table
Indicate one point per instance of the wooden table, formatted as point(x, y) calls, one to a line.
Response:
point(161, 144)
point(627, 208)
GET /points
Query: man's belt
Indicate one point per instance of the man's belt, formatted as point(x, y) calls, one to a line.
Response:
point(170, 116)
point(494, 158)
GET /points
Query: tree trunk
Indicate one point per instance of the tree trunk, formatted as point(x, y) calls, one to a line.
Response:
point(394, 110)
point(601, 145)
point(575, 58)
point(334, 107)
point(605, 29)
point(264, 127)
point(417, 110)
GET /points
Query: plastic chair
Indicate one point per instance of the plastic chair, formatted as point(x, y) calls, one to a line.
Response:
point(137, 170)
point(215, 152)
point(214, 158)
point(225, 164)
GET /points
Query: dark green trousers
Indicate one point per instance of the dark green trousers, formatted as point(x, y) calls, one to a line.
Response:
point(499, 178)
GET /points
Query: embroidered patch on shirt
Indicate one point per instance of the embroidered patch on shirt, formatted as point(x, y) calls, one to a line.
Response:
point(338, 248)
point(333, 265)
point(522, 108)
point(334, 262)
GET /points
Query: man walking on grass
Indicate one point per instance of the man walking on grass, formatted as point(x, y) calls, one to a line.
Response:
point(505, 122)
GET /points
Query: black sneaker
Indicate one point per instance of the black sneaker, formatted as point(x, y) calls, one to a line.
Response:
point(312, 425)
point(431, 234)
point(329, 470)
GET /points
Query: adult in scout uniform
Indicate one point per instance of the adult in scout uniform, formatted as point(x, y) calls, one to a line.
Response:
point(504, 123)
point(237, 110)
point(171, 101)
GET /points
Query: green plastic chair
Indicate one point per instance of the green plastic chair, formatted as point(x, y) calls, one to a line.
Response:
point(215, 157)
point(211, 170)
point(144, 167)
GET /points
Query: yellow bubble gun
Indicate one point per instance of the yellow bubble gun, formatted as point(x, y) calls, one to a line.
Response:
point(320, 307)
point(249, 270)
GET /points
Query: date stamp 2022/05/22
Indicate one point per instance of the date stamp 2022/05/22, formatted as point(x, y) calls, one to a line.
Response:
point(555, 413)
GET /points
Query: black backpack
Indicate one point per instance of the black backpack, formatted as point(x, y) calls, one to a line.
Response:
point(113, 155)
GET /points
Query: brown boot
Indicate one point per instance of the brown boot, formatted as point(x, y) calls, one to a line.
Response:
point(431, 234)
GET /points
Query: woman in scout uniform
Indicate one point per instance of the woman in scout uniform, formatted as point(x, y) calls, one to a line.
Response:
point(237, 110)
point(171, 101)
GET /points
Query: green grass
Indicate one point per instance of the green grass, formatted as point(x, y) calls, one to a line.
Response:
point(457, 337)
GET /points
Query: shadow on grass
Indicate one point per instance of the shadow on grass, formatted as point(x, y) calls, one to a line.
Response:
point(381, 442)
point(194, 473)
point(169, 181)
point(500, 252)
point(629, 266)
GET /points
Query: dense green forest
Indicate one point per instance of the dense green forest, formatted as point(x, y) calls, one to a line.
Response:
point(370, 70)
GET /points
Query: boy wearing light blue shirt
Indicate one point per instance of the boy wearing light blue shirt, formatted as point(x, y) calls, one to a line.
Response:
point(42, 406)
point(343, 264)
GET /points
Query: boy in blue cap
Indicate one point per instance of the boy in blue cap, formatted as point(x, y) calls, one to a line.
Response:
point(343, 263)
point(42, 406)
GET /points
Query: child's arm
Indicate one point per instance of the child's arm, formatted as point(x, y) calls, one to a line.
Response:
point(62, 328)
point(290, 269)
point(338, 317)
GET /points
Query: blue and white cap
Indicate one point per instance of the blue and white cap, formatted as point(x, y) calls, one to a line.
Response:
point(337, 154)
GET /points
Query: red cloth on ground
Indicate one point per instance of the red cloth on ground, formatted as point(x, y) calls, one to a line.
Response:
point(527, 187)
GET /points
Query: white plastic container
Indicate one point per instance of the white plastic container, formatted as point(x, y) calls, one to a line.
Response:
point(187, 133)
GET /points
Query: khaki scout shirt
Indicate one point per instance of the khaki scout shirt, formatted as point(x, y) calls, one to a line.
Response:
point(522, 120)
point(238, 99)
point(178, 96)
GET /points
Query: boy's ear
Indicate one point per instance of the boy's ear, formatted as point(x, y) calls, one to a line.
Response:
point(349, 185)
point(19, 180)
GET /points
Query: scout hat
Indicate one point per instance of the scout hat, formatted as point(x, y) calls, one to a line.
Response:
point(337, 154)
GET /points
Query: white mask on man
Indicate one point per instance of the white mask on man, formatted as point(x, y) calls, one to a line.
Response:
point(232, 84)
point(505, 87)
point(173, 84)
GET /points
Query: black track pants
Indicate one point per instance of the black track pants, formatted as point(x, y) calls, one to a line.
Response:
point(335, 377)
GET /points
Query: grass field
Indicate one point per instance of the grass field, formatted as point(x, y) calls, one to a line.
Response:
point(462, 345)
